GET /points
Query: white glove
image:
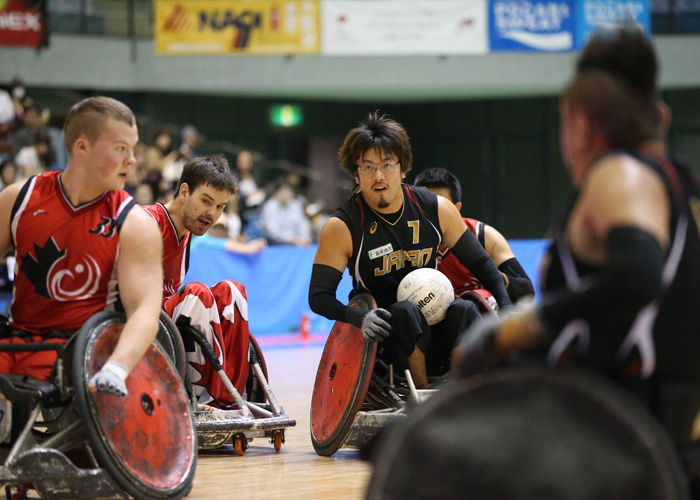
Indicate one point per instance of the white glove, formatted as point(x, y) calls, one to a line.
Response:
point(375, 324)
point(111, 378)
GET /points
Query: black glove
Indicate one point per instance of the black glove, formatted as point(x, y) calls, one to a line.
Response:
point(375, 324)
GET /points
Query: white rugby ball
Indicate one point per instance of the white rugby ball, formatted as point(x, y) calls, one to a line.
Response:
point(428, 289)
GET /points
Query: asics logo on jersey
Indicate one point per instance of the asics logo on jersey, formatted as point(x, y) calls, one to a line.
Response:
point(106, 228)
point(373, 227)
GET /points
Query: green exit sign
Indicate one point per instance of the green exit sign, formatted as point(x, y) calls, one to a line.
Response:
point(286, 115)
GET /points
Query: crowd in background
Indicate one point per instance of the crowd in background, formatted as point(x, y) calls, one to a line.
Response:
point(276, 213)
point(31, 142)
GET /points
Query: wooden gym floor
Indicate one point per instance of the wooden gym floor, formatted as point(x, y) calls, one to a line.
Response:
point(296, 472)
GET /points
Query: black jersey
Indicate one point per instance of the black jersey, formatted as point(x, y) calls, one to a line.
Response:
point(386, 247)
point(663, 339)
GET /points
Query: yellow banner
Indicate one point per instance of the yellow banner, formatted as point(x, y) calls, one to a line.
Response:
point(185, 27)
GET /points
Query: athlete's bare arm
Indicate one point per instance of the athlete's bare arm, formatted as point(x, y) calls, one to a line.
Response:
point(451, 222)
point(496, 246)
point(334, 245)
point(8, 196)
point(140, 276)
point(618, 192)
point(470, 253)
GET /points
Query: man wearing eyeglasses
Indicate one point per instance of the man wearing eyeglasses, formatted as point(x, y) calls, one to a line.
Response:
point(383, 232)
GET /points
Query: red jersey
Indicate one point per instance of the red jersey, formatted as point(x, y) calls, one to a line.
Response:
point(461, 278)
point(176, 251)
point(66, 267)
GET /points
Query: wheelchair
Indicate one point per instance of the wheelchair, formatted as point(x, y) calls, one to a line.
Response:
point(356, 393)
point(78, 444)
point(258, 415)
point(529, 431)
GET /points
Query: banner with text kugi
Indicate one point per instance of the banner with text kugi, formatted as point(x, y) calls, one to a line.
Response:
point(218, 27)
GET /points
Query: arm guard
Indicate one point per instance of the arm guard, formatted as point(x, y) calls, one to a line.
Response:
point(631, 280)
point(322, 300)
point(518, 283)
point(473, 256)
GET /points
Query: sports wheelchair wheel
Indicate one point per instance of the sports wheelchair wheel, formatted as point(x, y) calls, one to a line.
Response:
point(147, 440)
point(170, 340)
point(529, 432)
point(342, 380)
point(480, 302)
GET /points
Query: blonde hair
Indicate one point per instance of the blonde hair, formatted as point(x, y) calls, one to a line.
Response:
point(88, 118)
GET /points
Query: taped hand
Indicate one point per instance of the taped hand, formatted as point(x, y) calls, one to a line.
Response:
point(375, 324)
point(111, 378)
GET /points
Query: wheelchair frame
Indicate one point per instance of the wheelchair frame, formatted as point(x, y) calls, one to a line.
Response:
point(65, 449)
point(261, 417)
point(378, 396)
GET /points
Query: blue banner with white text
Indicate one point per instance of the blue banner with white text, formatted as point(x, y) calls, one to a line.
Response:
point(541, 26)
point(594, 14)
point(558, 25)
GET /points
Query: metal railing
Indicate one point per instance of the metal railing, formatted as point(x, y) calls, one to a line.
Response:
point(675, 16)
point(114, 18)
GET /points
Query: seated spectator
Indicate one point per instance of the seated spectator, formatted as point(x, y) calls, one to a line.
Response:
point(20, 101)
point(6, 151)
point(251, 196)
point(189, 137)
point(7, 109)
point(37, 158)
point(143, 194)
point(54, 127)
point(137, 173)
point(165, 195)
point(8, 173)
point(283, 220)
point(233, 219)
point(32, 123)
point(161, 153)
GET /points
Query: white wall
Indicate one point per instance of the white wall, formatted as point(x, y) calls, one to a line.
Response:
point(75, 61)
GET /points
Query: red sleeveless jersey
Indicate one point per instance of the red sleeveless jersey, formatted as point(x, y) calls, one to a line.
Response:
point(461, 278)
point(66, 266)
point(176, 252)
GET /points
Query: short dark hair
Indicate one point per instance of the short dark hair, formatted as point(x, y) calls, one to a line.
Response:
point(213, 170)
point(440, 178)
point(380, 132)
point(89, 115)
point(615, 84)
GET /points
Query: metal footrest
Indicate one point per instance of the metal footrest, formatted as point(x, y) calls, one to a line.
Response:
point(216, 428)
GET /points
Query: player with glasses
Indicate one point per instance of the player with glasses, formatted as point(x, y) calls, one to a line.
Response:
point(383, 232)
point(386, 168)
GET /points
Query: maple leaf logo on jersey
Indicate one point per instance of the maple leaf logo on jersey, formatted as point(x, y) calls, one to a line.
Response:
point(106, 228)
point(37, 269)
point(52, 277)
